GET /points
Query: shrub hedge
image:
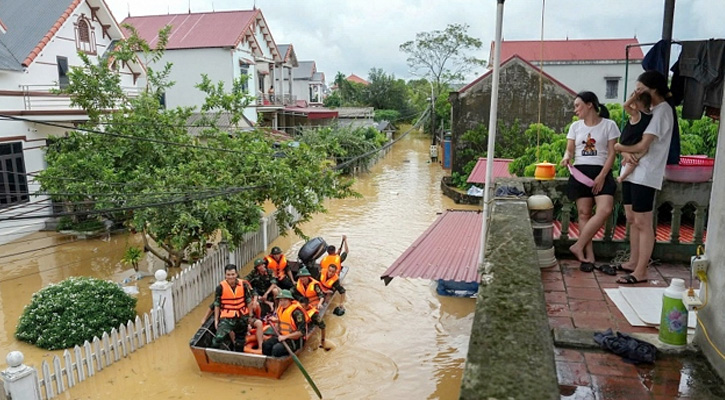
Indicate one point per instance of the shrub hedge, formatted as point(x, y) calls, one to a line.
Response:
point(75, 310)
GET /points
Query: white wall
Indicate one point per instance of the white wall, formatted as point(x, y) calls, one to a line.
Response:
point(301, 89)
point(188, 66)
point(590, 77)
point(712, 315)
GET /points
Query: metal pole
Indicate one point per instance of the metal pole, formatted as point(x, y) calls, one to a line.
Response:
point(667, 24)
point(492, 122)
point(432, 110)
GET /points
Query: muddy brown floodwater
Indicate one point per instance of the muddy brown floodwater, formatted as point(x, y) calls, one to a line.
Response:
point(402, 341)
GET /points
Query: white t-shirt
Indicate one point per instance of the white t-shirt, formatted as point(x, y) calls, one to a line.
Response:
point(591, 141)
point(650, 169)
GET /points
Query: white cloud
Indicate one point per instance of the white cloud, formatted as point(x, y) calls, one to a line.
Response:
point(353, 36)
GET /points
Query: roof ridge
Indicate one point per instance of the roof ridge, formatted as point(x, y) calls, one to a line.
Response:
point(51, 32)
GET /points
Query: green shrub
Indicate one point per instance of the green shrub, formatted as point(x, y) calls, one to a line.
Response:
point(75, 310)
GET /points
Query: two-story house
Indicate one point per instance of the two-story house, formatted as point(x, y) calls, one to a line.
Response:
point(597, 65)
point(39, 43)
point(223, 45)
point(309, 83)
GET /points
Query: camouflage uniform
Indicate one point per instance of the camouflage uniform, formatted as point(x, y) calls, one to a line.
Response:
point(238, 325)
point(260, 283)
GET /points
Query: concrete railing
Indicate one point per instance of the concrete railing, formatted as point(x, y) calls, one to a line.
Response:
point(511, 350)
point(675, 197)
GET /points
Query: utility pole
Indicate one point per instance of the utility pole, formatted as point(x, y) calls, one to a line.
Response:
point(432, 113)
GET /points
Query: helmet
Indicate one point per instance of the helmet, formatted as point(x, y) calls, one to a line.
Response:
point(285, 294)
point(258, 261)
point(276, 250)
point(303, 272)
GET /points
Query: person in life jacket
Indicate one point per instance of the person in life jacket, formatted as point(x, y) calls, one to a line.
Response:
point(330, 283)
point(334, 256)
point(310, 294)
point(291, 321)
point(277, 263)
point(232, 302)
point(265, 286)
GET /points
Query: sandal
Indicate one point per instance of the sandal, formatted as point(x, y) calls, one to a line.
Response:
point(619, 267)
point(586, 267)
point(606, 269)
point(630, 280)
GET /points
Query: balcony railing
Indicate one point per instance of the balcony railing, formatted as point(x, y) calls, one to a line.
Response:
point(279, 100)
point(42, 98)
point(680, 217)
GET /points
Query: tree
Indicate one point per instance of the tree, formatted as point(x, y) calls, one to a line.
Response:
point(387, 93)
point(137, 162)
point(443, 56)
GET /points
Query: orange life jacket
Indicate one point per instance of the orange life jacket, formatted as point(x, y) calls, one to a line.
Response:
point(326, 282)
point(233, 303)
point(278, 268)
point(287, 324)
point(309, 292)
point(330, 259)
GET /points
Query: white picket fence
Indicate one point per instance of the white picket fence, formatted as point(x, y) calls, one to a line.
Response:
point(83, 362)
point(188, 289)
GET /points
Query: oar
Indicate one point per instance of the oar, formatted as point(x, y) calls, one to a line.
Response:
point(299, 363)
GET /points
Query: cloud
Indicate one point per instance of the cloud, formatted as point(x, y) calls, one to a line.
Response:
point(353, 36)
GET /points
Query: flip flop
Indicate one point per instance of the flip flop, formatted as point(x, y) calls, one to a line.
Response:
point(586, 267)
point(618, 267)
point(630, 280)
point(606, 269)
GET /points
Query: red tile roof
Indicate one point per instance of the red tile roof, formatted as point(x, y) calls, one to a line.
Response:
point(53, 30)
point(202, 30)
point(448, 250)
point(500, 170)
point(530, 65)
point(357, 79)
point(570, 50)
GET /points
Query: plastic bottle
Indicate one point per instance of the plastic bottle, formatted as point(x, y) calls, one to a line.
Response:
point(673, 323)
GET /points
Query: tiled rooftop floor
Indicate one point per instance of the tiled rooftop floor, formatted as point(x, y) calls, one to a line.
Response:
point(576, 300)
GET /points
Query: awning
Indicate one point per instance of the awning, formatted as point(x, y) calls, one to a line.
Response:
point(447, 250)
point(500, 170)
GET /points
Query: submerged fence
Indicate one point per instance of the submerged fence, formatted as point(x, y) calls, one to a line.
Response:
point(172, 300)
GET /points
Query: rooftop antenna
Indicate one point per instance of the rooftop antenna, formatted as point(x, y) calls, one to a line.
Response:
point(212, 6)
point(128, 9)
point(189, 6)
point(254, 5)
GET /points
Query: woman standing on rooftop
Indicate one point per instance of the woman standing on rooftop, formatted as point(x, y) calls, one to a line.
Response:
point(590, 142)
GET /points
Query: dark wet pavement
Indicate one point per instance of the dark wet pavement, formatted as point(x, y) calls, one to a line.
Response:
point(576, 300)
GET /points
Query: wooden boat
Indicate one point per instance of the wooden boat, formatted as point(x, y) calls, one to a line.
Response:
point(236, 363)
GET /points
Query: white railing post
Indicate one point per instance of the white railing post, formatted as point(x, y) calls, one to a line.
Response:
point(265, 239)
point(162, 296)
point(21, 381)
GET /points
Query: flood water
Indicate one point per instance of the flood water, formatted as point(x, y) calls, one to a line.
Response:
point(400, 341)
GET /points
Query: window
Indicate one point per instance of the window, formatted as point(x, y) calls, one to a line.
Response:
point(85, 37)
point(244, 73)
point(63, 79)
point(261, 82)
point(13, 182)
point(612, 88)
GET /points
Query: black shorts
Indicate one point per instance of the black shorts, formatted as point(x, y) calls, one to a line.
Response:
point(576, 190)
point(642, 198)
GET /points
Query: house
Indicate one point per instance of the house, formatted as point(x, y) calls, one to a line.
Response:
point(224, 46)
point(309, 83)
point(518, 100)
point(357, 79)
point(39, 43)
point(597, 65)
point(283, 80)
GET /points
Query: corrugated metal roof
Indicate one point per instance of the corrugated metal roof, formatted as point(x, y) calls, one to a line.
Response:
point(27, 23)
point(448, 250)
point(197, 30)
point(500, 170)
point(571, 50)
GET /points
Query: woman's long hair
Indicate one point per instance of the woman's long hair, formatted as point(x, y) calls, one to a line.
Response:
point(590, 97)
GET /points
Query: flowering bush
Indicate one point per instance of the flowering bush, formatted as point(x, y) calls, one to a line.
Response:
point(73, 311)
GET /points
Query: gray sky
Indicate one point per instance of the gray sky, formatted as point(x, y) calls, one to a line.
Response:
point(353, 36)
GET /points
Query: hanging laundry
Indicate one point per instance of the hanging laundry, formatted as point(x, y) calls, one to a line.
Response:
point(700, 71)
point(655, 57)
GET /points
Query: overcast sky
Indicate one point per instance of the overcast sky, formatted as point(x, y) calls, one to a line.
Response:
point(353, 36)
